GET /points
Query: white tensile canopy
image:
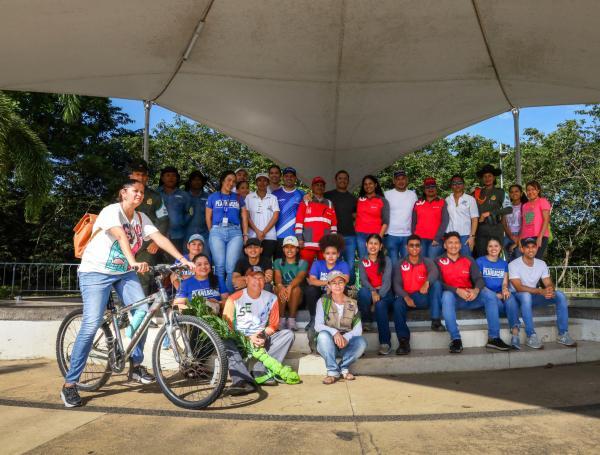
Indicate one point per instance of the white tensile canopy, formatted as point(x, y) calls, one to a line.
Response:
point(317, 84)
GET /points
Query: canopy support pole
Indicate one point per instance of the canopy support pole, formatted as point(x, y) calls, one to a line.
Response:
point(515, 113)
point(147, 107)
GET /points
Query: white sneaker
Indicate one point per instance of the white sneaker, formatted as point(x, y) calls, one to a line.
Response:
point(534, 342)
point(291, 324)
point(384, 349)
point(565, 339)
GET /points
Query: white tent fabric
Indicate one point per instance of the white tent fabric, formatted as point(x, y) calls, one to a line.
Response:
point(317, 84)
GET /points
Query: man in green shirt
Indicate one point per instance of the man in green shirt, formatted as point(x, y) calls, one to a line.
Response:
point(154, 207)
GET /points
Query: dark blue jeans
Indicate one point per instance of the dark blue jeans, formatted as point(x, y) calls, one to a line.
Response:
point(430, 251)
point(396, 248)
point(361, 244)
point(350, 255)
point(431, 300)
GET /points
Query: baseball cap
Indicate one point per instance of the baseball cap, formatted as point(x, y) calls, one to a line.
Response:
point(254, 269)
point(318, 180)
point(241, 169)
point(429, 182)
point(336, 274)
point(261, 174)
point(138, 165)
point(400, 173)
point(289, 170)
point(253, 241)
point(290, 240)
point(528, 241)
point(196, 237)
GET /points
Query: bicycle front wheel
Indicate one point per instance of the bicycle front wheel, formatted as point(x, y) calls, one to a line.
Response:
point(192, 373)
point(97, 368)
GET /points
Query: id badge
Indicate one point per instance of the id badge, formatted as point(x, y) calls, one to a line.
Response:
point(224, 221)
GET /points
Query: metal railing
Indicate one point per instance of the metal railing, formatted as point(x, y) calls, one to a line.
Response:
point(27, 279)
point(577, 280)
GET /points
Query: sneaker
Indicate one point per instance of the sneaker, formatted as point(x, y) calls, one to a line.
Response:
point(497, 343)
point(436, 325)
point(403, 346)
point(70, 397)
point(515, 342)
point(291, 324)
point(456, 346)
point(384, 349)
point(534, 342)
point(240, 388)
point(140, 374)
point(566, 340)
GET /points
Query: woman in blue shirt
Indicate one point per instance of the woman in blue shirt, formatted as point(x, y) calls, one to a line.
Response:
point(227, 221)
point(203, 283)
point(494, 271)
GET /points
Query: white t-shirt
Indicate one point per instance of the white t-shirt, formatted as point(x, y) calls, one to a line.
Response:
point(261, 211)
point(252, 315)
point(103, 254)
point(460, 214)
point(401, 207)
point(529, 276)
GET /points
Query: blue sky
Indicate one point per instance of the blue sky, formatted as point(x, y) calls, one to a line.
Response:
point(499, 128)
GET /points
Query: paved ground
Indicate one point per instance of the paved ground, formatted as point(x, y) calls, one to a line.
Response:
point(541, 410)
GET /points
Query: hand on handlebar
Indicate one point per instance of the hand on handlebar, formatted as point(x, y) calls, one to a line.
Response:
point(189, 264)
point(140, 267)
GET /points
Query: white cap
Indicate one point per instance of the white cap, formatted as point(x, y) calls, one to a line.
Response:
point(261, 174)
point(290, 240)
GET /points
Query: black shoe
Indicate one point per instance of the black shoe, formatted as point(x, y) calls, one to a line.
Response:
point(456, 347)
point(497, 343)
point(436, 325)
point(70, 397)
point(141, 375)
point(403, 347)
point(240, 388)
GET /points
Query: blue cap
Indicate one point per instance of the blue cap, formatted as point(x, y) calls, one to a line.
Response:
point(196, 237)
point(288, 170)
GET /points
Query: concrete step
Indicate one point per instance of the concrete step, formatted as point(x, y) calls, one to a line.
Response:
point(473, 335)
point(440, 360)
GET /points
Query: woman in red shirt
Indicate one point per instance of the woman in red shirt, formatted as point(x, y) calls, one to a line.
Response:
point(535, 217)
point(372, 213)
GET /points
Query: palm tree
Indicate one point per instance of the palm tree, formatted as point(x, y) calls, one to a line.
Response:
point(24, 158)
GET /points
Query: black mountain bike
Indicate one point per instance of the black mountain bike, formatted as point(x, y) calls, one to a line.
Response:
point(191, 371)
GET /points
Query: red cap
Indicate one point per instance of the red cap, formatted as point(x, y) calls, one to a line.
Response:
point(318, 180)
point(429, 181)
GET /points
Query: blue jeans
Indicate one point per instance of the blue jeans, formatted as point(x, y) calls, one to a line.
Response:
point(350, 255)
point(226, 244)
point(361, 244)
point(95, 291)
point(396, 248)
point(511, 255)
point(364, 304)
point(527, 301)
point(430, 251)
point(510, 308)
point(431, 300)
point(464, 249)
point(329, 351)
point(485, 299)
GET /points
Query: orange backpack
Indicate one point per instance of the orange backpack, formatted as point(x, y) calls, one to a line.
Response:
point(83, 233)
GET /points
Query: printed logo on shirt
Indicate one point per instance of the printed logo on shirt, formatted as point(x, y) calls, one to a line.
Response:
point(489, 272)
point(421, 202)
point(529, 217)
point(116, 261)
point(233, 203)
point(207, 293)
point(367, 262)
point(444, 261)
point(405, 267)
point(134, 235)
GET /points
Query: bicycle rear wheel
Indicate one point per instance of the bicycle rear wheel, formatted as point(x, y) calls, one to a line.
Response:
point(97, 369)
point(198, 378)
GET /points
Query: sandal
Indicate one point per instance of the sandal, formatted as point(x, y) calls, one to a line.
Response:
point(349, 377)
point(328, 380)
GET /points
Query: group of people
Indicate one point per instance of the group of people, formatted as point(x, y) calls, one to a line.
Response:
point(258, 256)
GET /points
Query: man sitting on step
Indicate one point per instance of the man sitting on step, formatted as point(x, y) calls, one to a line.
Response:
point(255, 313)
point(525, 273)
point(417, 286)
point(464, 289)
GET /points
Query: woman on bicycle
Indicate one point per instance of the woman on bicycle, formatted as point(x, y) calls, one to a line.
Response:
point(227, 221)
point(203, 283)
point(109, 261)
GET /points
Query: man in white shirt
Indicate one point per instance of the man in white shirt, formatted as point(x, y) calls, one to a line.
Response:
point(463, 215)
point(263, 213)
point(524, 274)
point(402, 201)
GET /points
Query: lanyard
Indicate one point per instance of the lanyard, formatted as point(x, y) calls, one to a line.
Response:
point(226, 205)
